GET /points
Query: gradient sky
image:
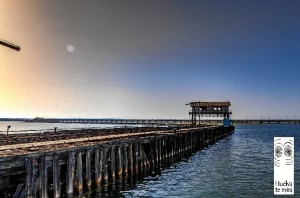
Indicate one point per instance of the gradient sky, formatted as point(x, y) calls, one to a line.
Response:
point(145, 59)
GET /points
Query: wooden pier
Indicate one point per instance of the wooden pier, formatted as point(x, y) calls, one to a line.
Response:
point(68, 164)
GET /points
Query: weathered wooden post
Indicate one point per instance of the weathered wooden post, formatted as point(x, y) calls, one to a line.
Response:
point(112, 164)
point(178, 148)
point(98, 165)
point(28, 184)
point(202, 138)
point(79, 172)
point(136, 149)
point(191, 142)
point(70, 172)
point(88, 171)
point(56, 176)
point(179, 145)
point(105, 165)
point(186, 144)
point(163, 152)
point(159, 153)
point(120, 161)
point(174, 149)
point(131, 160)
point(156, 154)
point(141, 150)
point(145, 161)
point(199, 139)
point(125, 160)
point(151, 156)
point(169, 150)
point(43, 178)
point(166, 151)
point(31, 176)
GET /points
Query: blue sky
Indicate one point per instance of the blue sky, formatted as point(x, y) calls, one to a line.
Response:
point(149, 58)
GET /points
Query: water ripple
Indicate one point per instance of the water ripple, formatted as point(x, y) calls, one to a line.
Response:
point(240, 165)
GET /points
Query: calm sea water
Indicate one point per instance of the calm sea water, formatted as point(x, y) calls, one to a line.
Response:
point(240, 165)
point(41, 127)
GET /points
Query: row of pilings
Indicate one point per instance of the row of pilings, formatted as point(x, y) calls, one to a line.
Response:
point(75, 171)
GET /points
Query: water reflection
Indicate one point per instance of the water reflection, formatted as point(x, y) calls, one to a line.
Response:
point(240, 165)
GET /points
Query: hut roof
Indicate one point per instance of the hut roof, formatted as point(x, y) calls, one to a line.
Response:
point(210, 104)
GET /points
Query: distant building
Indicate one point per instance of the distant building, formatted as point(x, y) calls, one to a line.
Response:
point(210, 109)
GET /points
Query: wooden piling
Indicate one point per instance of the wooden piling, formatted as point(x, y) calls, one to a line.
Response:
point(146, 160)
point(125, 171)
point(173, 149)
point(159, 153)
point(131, 160)
point(120, 161)
point(88, 169)
point(79, 172)
point(151, 156)
point(105, 164)
point(31, 177)
point(70, 173)
point(43, 177)
point(56, 176)
point(98, 165)
point(163, 152)
point(156, 159)
point(141, 157)
point(112, 164)
point(179, 146)
point(136, 161)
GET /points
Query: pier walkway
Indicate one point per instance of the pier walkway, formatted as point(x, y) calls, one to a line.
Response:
point(70, 163)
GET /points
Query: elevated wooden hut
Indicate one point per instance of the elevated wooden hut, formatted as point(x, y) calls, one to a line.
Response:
point(209, 109)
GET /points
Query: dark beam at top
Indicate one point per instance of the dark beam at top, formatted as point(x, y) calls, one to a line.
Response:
point(10, 45)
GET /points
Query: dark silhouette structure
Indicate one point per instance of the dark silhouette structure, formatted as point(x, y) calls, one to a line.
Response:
point(209, 109)
point(10, 45)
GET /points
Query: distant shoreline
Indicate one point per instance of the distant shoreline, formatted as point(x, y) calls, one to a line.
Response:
point(149, 121)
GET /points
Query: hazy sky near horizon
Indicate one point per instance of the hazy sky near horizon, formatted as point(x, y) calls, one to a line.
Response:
point(147, 59)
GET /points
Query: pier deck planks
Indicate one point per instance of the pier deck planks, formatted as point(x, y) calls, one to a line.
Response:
point(77, 161)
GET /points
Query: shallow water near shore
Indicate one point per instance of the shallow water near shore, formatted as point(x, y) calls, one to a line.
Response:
point(240, 165)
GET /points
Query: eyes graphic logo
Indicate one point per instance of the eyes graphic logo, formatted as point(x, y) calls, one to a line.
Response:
point(283, 153)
